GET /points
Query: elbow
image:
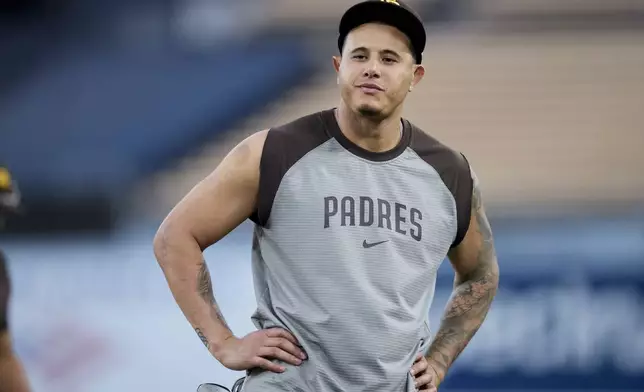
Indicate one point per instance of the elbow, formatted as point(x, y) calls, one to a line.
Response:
point(485, 277)
point(496, 272)
point(173, 243)
point(493, 278)
point(491, 273)
point(163, 240)
point(159, 244)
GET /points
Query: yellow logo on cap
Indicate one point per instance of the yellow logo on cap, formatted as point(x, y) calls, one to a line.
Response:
point(391, 1)
point(5, 179)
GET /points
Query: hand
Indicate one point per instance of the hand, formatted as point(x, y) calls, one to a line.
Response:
point(258, 348)
point(425, 376)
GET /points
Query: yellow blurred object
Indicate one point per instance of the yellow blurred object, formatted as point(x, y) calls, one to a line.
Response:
point(5, 179)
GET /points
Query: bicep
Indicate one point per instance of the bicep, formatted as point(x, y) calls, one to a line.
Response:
point(222, 200)
point(476, 251)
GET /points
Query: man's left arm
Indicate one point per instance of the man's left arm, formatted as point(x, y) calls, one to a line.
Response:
point(475, 285)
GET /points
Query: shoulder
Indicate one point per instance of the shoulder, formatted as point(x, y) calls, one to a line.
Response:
point(291, 138)
point(437, 154)
point(284, 145)
point(302, 133)
point(455, 172)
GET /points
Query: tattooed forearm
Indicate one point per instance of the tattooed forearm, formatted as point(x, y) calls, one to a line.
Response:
point(463, 317)
point(474, 291)
point(204, 284)
point(203, 338)
point(204, 288)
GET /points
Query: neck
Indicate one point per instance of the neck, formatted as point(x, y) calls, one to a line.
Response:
point(376, 135)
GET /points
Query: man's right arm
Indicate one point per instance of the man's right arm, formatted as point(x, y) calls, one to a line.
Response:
point(212, 209)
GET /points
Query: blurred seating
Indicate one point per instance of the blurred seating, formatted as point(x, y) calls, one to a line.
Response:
point(307, 13)
point(545, 119)
point(554, 7)
point(91, 126)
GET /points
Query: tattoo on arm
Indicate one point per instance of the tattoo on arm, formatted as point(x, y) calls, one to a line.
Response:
point(204, 284)
point(204, 288)
point(472, 296)
point(203, 338)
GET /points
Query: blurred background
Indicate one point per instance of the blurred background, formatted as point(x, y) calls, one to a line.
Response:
point(110, 111)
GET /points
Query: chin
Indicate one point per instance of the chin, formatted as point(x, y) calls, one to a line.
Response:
point(371, 111)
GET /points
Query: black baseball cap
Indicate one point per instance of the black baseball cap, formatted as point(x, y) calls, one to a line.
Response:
point(390, 12)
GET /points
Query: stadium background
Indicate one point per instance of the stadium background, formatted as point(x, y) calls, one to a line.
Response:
point(111, 111)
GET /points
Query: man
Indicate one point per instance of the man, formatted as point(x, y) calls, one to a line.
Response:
point(354, 209)
point(12, 376)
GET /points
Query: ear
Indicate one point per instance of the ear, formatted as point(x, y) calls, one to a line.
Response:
point(419, 72)
point(336, 63)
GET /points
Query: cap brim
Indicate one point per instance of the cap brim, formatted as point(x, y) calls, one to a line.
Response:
point(391, 14)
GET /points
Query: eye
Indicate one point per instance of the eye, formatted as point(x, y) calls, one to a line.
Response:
point(359, 57)
point(389, 60)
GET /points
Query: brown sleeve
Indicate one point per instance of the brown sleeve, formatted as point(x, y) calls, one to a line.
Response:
point(284, 146)
point(462, 187)
point(4, 293)
point(454, 170)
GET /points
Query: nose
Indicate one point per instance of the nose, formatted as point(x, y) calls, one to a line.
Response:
point(372, 70)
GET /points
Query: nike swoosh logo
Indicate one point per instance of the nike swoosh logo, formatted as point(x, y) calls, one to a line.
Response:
point(367, 245)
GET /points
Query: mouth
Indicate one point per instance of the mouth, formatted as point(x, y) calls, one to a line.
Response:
point(370, 88)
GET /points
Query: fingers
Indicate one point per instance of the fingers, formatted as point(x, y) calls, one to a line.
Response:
point(278, 344)
point(287, 346)
point(281, 333)
point(278, 353)
point(291, 344)
point(268, 365)
point(429, 388)
point(423, 381)
point(422, 378)
point(419, 367)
